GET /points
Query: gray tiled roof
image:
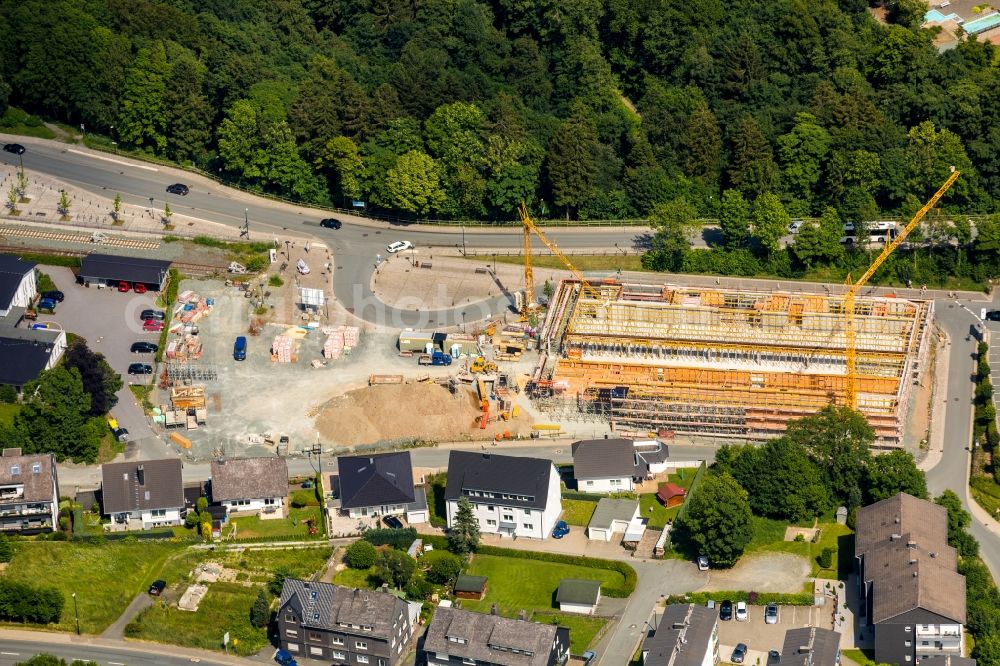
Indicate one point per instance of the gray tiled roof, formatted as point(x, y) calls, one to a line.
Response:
point(603, 458)
point(512, 475)
point(249, 478)
point(118, 267)
point(161, 487)
point(375, 479)
point(326, 606)
point(489, 638)
point(578, 591)
point(918, 520)
point(37, 485)
point(685, 629)
point(947, 660)
point(810, 646)
point(609, 510)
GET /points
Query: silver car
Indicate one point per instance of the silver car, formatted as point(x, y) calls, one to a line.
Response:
point(771, 614)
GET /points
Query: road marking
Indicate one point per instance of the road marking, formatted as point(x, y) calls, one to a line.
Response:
point(116, 663)
point(12, 654)
point(111, 159)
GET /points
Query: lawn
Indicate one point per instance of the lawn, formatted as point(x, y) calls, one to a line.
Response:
point(859, 657)
point(583, 629)
point(769, 536)
point(659, 516)
point(520, 584)
point(578, 512)
point(986, 492)
point(292, 526)
point(260, 564)
point(105, 577)
point(8, 412)
point(436, 484)
point(225, 608)
point(359, 578)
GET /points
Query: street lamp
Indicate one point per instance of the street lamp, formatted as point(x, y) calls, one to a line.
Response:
point(76, 612)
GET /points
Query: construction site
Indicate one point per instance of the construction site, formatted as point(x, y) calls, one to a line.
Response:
point(666, 359)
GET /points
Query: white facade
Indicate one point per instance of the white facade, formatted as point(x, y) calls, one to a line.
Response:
point(377, 511)
point(938, 639)
point(158, 518)
point(609, 485)
point(25, 292)
point(497, 514)
point(581, 609)
point(58, 347)
point(416, 517)
point(253, 505)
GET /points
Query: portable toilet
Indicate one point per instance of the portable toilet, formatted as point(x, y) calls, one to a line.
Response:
point(456, 351)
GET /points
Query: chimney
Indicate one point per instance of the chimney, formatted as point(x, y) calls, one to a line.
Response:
point(140, 475)
point(895, 537)
point(933, 554)
point(896, 520)
point(911, 544)
point(914, 574)
point(494, 610)
point(913, 560)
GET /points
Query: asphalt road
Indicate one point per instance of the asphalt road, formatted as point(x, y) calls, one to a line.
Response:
point(14, 651)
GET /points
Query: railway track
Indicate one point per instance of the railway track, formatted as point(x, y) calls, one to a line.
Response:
point(184, 267)
point(70, 237)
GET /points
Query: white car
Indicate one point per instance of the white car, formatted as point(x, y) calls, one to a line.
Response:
point(741, 611)
point(702, 563)
point(794, 227)
point(398, 246)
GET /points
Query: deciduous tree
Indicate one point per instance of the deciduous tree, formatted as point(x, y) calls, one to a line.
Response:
point(770, 221)
point(395, 567)
point(838, 440)
point(99, 379)
point(892, 473)
point(734, 219)
point(414, 184)
point(717, 522)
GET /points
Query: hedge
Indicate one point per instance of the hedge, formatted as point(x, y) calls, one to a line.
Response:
point(589, 497)
point(21, 602)
point(757, 598)
point(399, 539)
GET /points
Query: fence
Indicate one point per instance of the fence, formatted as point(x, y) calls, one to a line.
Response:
point(698, 476)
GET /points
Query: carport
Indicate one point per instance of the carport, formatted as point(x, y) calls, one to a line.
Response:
point(111, 269)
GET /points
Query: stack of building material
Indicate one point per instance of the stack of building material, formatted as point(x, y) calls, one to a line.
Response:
point(334, 344)
point(186, 397)
point(191, 307)
point(283, 349)
point(352, 336)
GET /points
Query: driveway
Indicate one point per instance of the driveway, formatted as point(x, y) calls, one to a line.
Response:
point(767, 572)
point(110, 322)
point(760, 637)
point(141, 602)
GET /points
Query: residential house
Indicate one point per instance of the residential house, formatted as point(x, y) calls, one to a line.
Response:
point(810, 646)
point(911, 595)
point(18, 285)
point(143, 494)
point(29, 492)
point(947, 660)
point(612, 516)
point(341, 625)
point(24, 352)
point(380, 485)
point(685, 635)
point(604, 465)
point(459, 636)
point(510, 495)
point(249, 485)
point(577, 595)
point(652, 457)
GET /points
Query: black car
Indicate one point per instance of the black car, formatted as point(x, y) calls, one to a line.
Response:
point(146, 315)
point(726, 610)
point(143, 348)
point(156, 589)
point(55, 295)
point(393, 522)
point(993, 315)
point(331, 223)
point(178, 188)
point(773, 656)
point(739, 652)
point(15, 148)
point(140, 369)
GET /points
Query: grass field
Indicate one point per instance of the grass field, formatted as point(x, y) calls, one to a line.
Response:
point(226, 607)
point(582, 628)
point(660, 515)
point(769, 536)
point(8, 412)
point(105, 577)
point(259, 565)
point(292, 526)
point(359, 578)
point(508, 587)
point(578, 512)
point(986, 492)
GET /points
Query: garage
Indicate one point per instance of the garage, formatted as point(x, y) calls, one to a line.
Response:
point(123, 273)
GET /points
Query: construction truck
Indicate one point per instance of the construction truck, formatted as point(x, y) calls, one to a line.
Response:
point(435, 358)
point(482, 365)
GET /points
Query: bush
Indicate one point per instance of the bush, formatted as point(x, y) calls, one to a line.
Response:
point(419, 588)
point(398, 539)
point(275, 281)
point(6, 548)
point(825, 558)
point(442, 567)
point(360, 555)
point(20, 602)
point(756, 598)
point(260, 612)
point(8, 395)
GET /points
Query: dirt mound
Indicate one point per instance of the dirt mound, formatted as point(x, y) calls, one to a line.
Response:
point(395, 411)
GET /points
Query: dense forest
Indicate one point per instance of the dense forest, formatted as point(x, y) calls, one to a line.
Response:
point(583, 108)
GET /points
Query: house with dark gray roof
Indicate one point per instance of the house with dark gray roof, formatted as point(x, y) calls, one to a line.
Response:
point(685, 635)
point(911, 594)
point(24, 351)
point(343, 625)
point(458, 636)
point(576, 595)
point(250, 485)
point(17, 283)
point(604, 465)
point(510, 495)
point(810, 646)
point(143, 494)
point(947, 660)
point(380, 485)
point(29, 492)
point(112, 269)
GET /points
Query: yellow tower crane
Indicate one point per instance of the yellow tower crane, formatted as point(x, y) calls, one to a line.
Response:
point(851, 347)
point(529, 278)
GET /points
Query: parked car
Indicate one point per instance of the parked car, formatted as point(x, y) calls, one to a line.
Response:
point(240, 348)
point(140, 369)
point(560, 530)
point(15, 148)
point(702, 563)
point(741, 611)
point(153, 314)
point(47, 304)
point(284, 658)
point(178, 188)
point(398, 246)
point(726, 610)
point(331, 223)
point(55, 295)
point(771, 614)
point(156, 589)
point(794, 227)
point(392, 522)
point(152, 325)
point(121, 434)
point(773, 656)
point(739, 653)
point(589, 657)
point(993, 315)
point(144, 347)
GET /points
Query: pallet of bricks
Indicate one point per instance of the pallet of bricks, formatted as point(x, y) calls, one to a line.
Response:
point(341, 339)
point(191, 307)
point(283, 349)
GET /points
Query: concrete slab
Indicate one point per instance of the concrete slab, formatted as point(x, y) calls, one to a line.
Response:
point(192, 597)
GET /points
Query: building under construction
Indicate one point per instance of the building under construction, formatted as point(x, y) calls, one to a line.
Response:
point(724, 362)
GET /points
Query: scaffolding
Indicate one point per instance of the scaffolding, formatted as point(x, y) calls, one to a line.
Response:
point(723, 361)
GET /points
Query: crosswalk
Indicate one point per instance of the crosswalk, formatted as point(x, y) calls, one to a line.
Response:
point(71, 237)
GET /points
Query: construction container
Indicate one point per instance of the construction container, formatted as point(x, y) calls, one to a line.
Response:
point(467, 345)
point(415, 341)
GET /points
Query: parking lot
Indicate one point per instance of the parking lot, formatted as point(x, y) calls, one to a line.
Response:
point(109, 321)
point(761, 637)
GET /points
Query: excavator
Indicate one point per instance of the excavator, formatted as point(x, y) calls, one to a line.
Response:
point(482, 365)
